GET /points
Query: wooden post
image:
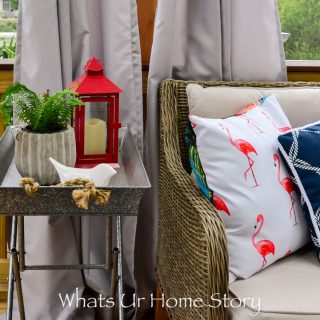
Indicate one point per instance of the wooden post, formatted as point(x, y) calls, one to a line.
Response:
point(146, 15)
point(3, 238)
point(160, 312)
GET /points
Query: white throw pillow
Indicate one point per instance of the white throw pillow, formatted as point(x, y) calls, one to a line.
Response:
point(239, 163)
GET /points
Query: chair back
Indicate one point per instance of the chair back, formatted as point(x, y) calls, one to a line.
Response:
point(175, 91)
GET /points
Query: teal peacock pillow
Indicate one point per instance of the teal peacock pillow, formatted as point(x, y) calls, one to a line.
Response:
point(195, 162)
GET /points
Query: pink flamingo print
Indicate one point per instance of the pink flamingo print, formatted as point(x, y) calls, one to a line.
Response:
point(264, 247)
point(248, 108)
point(250, 123)
point(220, 205)
point(288, 186)
point(243, 115)
point(283, 129)
point(246, 148)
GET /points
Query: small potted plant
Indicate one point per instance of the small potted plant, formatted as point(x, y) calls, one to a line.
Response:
point(46, 133)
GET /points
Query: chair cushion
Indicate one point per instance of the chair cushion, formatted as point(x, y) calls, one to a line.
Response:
point(288, 289)
point(244, 314)
point(237, 173)
point(220, 102)
point(300, 149)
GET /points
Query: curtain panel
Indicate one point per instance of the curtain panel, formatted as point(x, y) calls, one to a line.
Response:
point(231, 40)
point(55, 38)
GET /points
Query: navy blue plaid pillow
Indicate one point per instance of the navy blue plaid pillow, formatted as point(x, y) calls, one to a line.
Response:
point(301, 150)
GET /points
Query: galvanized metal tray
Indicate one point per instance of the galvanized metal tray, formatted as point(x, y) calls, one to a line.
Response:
point(127, 187)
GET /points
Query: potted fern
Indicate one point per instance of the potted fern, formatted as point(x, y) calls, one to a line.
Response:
point(46, 132)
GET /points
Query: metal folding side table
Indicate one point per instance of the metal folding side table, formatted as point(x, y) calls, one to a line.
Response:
point(127, 189)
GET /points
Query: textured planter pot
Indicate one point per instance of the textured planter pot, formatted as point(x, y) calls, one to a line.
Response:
point(32, 152)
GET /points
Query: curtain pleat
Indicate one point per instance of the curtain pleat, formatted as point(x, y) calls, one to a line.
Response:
point(228, 40)
point(55, 39)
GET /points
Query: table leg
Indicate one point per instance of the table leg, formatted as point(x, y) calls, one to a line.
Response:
point(114, 279)
point(13, 241)
point(16, 271)
point(120, 270)
point(108, 242)
point(14, 275)
point(22, 253)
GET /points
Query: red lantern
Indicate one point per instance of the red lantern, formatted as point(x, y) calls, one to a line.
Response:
point(96, 139)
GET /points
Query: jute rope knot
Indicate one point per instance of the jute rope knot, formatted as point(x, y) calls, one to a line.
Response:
point(30, 186)
point(80, 196)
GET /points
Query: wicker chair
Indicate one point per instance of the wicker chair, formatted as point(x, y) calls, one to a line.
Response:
point(192, 258)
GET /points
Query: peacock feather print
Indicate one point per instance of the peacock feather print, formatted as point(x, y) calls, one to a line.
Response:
point(190, 139)
point(262, 100)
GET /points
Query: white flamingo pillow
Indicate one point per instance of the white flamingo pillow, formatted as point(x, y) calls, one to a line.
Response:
point(238, 167)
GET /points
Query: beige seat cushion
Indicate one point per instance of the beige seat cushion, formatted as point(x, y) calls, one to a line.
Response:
point(289, 289)
point(243, 314)
point(221, 102)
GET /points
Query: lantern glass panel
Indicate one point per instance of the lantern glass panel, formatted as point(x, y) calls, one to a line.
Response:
point(96, 128)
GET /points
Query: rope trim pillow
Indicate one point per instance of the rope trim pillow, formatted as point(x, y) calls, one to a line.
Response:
point(300, 149)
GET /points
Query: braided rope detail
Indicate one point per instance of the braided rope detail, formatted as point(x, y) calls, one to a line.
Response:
point(293, 152)
point(315, 241)
point(311, 131)
point(301, 164)
point(80, 196)
point(317, 216)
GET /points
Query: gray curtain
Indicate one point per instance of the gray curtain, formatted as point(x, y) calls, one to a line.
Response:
point(55, 39)
point(236, 40)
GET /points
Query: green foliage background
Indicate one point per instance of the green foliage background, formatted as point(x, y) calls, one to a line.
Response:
point(14, 4)
point(302, 19)
point(8, 26)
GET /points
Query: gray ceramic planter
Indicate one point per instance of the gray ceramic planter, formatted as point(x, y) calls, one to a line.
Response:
point(32, 152)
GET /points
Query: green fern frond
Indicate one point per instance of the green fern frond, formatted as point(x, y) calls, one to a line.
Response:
point(6, 101)
point(42, 113)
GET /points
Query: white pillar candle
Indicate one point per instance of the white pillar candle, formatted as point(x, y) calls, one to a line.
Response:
point(95, 136)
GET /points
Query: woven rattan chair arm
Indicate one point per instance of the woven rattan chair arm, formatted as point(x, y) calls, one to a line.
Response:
point(192, 256)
